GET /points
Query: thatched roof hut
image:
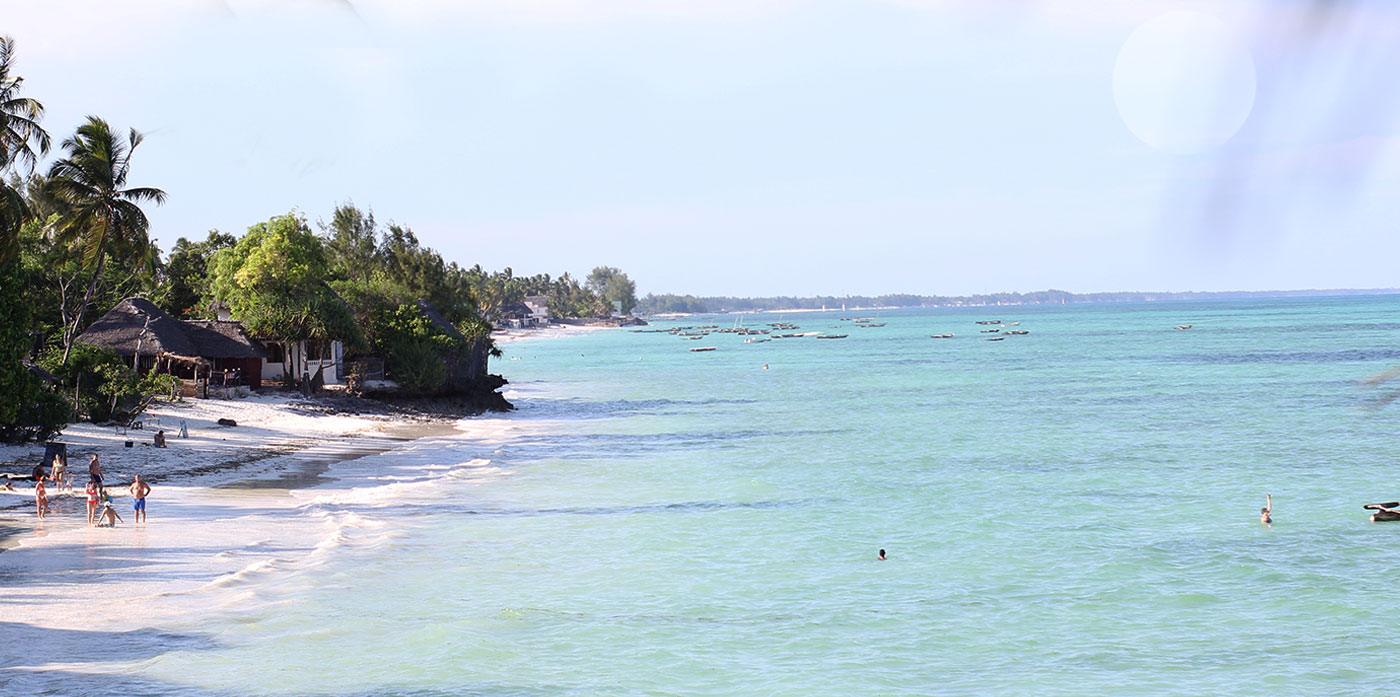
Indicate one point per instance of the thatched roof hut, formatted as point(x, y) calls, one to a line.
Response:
point(136, 325)
point(438, 320)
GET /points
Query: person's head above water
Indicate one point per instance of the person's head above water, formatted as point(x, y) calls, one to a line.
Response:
point(882, 554)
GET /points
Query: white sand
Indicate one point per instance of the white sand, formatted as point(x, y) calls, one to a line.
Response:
point(205, 547)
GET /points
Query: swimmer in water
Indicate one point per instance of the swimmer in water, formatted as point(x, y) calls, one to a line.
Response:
point(882, 555)
point(1266, 513)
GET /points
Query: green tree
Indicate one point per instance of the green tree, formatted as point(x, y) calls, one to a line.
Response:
point(613, 286)
point(186, 288)
point(352, 243)
point(22, 141)
point(274, 280)
point(98, 213)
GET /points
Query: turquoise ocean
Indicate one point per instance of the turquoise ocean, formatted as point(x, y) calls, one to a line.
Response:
point(1072, 511)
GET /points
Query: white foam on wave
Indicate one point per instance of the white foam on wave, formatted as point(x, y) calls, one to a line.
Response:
point(210, 551)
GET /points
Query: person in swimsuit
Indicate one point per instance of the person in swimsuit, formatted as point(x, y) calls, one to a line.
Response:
point(139, 490)
point(109, 517)
point(58, 472)
point(41, 499)
point(159, 440)
point(95, 471)
point(93, 489)
point(882, 555)
point(1266, 513)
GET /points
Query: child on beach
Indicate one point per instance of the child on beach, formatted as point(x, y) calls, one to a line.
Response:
point(109, 517)
point(93, 489)
point(41, 499)
point(139, 490)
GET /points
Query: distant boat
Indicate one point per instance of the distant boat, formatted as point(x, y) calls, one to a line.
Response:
point(760, 340)
point(698, 349)
point(940, 336)
point(1017, 331)
point(1184, 326)
point(833, 336)
point(872, 324)
point(991, 321)
point(990, 331)
point(988, 338)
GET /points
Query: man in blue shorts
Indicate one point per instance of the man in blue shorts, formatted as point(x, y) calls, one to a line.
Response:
point(139, 490)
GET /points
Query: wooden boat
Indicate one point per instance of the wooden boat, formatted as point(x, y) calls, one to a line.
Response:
point(833, 336)
point(1018, 331)
point(1184, 326)
point(995, 338)
point(990, 331)
point(698, 349)
point(992, 321)
point(940, 336)
point(1383, 511)
point(872, 324)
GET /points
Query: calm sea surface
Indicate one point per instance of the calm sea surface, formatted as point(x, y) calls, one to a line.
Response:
point(1074, 511)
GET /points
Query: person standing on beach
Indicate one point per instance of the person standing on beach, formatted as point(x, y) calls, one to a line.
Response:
point(139, 490)
point(41, 499)
point(1266, 513)
point(95, 470)
point(58, 472)
point(93, 489)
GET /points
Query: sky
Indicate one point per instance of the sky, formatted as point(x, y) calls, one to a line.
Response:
point(769, 147)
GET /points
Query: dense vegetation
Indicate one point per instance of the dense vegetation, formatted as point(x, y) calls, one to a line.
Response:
point(74, 241)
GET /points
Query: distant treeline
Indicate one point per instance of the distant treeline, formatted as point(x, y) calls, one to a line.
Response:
point(657, 304)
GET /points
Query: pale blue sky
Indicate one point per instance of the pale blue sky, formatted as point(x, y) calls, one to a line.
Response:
point(765, 147)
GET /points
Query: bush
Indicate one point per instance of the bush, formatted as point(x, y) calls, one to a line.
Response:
point(417, 366)
point(105, 385)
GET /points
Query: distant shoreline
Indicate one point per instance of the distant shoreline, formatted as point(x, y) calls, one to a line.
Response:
point(676, 305)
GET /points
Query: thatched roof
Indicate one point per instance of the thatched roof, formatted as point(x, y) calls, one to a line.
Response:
point(438, 320)
point(221, 339)
point(121, 329)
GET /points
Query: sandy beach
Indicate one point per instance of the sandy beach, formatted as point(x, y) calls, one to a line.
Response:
point(228, 504)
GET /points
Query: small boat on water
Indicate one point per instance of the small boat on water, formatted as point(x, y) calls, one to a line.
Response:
point(988, 338)
point(872, 324)
point(990, 321)
point(1017, 331)
point(757, 340)
point(698, 349)
point(1183, 326)
point(990, 331)
point(940, 336)
point(833, 336)
point(1384, 511)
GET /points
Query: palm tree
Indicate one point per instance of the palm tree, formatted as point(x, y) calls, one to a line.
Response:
point(22, 141)
point(97, 212)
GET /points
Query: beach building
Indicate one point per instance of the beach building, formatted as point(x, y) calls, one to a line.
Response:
point(325, 359)
point(538, 305)
point(515, 316)
point(215, 349)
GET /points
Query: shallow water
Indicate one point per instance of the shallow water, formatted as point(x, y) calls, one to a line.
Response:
point(1069, 512)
